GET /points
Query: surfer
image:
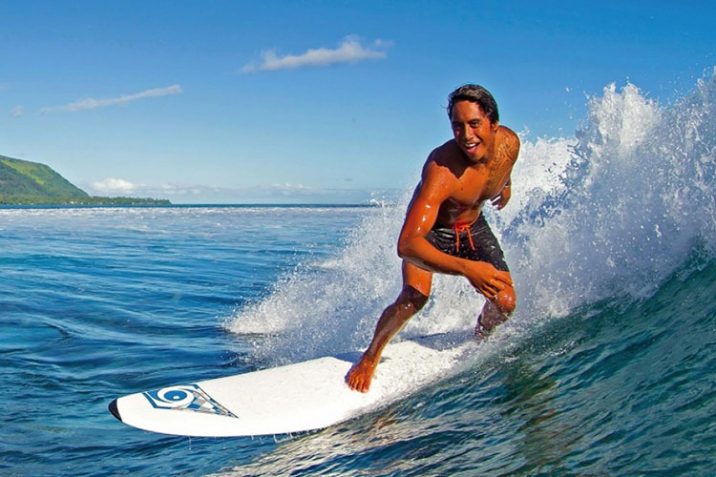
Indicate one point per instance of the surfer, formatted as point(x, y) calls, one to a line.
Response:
point(444, 230)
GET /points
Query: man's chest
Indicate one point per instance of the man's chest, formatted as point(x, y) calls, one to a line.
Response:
point(478, 185)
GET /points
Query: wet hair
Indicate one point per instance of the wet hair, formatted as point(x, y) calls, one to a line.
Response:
point(475, 94)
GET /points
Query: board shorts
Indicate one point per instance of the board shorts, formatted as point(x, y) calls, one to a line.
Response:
point(471, 241)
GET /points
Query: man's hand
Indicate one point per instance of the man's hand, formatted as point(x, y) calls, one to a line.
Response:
point(487, 279)
point(501, 199)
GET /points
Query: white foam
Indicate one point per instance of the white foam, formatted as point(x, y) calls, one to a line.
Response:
point(635, 198)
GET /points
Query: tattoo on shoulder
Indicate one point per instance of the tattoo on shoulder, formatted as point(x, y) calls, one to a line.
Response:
point(509, 146)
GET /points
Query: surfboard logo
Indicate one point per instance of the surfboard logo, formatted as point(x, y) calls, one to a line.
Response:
point(186, 398)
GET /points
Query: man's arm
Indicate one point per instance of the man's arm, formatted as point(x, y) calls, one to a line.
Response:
point(422, 214)
point(501, 199)
point(510, 148)
point(413, 246)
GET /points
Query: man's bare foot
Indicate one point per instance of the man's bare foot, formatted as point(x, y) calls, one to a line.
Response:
point(360, 375)
point(481, 332)
point(490, 317)
point(485, 324)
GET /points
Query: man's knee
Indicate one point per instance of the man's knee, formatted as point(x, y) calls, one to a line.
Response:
point(412, 297)
point(506, 301)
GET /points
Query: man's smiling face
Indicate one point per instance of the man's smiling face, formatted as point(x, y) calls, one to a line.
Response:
point(473, 131)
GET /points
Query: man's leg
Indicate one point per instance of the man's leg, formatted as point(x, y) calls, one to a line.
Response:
point(497, 309)
point(414, 295)
point(495, 312)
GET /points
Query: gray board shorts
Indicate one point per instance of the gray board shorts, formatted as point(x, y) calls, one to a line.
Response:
point(483, 247)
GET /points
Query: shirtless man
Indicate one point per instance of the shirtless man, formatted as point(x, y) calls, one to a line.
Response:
point(445, 232)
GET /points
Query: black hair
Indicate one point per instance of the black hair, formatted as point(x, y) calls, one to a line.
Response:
point(475, 94)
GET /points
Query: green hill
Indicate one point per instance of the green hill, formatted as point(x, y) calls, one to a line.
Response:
point(25, 182)
point(31, 182)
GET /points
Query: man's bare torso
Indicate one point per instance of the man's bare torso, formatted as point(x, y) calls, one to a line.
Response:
point(471, 184)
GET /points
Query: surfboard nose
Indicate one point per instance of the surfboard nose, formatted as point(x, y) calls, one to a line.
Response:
point(114, 410)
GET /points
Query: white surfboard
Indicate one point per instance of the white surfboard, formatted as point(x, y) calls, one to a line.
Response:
point(294, 398)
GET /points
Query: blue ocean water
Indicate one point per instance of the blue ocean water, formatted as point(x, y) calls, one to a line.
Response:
point(95, 303)
point(607, 368)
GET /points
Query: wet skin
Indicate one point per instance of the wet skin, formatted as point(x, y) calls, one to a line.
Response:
point(457, 179)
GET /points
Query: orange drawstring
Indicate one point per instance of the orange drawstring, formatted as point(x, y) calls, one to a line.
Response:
point(460, 228)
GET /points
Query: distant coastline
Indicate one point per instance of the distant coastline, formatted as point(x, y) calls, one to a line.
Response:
point(92, 201)
point(158, 204)
point(26, 183)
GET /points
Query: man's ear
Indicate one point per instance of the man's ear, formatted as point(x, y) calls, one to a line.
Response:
point(495, 126)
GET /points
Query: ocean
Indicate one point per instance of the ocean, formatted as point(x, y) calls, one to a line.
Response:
point(607, 368)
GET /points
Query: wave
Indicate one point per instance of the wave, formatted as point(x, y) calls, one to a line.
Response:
point(607, 390)
point(634, 200)
point(612, 211)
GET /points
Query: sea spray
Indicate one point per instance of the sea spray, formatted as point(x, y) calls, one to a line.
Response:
point(316, 308)
point(636, 198)
point(613, 211)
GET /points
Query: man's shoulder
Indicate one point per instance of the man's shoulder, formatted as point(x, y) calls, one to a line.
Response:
point(509, 138)
point(443, 166)
point(508, 143)
point(448, 147)
point(444, 154)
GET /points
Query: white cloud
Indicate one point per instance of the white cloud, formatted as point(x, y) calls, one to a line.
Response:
point(113, 186)
point(350, 51)
point(17, 111)
point(288, 188)
point(206, 194)
point(92, 103)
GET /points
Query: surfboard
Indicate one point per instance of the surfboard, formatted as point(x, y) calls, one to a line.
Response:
point(294, 398)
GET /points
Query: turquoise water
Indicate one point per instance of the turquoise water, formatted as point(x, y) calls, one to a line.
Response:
point(607, 368)
point(615, 388)
point(98, 303)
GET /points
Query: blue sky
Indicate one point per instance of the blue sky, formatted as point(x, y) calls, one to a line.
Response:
point(311, 101)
